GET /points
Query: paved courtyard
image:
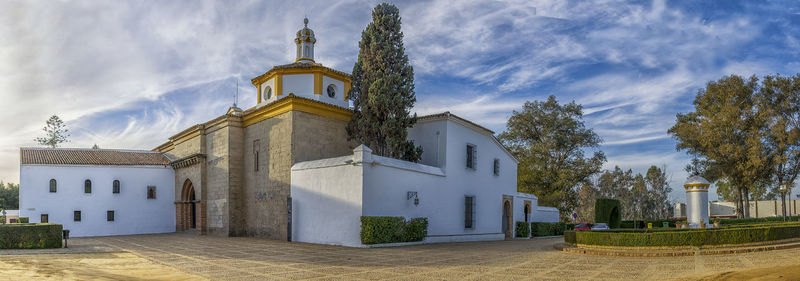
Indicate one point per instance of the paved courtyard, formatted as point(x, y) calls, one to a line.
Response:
point(220, 258)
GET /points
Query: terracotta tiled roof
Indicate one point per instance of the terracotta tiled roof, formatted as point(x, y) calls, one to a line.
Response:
point(78, 156)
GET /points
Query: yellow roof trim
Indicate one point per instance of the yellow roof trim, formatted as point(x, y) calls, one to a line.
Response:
point(293, 103)
point(335, 74)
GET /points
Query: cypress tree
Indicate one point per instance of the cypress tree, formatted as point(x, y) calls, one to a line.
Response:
point(383, 89)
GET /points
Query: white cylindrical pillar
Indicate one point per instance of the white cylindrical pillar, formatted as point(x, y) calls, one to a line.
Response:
point(696, 200)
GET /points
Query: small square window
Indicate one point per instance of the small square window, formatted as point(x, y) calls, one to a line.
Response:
point(496, 167)
point(151, 192)
point(109, 215)
point(45, 218)
point(76, 216)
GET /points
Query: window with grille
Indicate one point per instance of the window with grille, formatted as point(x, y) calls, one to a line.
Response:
point(496, 166)
point(53, 185)
point(151, 192)
point(45, 218)
point(76, 216)
point(472, 156)
point(469, 212)
point(109, 215)
point(115, 188)
point(87, 186)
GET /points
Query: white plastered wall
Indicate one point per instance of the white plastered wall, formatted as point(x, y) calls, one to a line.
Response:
point(326, 202)
point(133, 212)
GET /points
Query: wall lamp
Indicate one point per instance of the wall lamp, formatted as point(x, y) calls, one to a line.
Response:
point(413, 194)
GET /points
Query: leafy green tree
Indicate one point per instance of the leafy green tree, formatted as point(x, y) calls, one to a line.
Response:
point(726, 191)
point(9, 196)
point(587, 196)
point(550, 140)
point(779, 103)
point(383, 89)
point(659, 206)
point(639, 199)
point(55, 132)
point(726, 131)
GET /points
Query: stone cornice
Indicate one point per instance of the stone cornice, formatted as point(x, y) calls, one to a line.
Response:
point(187, 161)
point(294, 103)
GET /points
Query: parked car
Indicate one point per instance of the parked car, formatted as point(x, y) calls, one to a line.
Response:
point(582, 226)
point(600, 226)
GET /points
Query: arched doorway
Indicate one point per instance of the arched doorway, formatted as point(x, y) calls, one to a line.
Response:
point(188, 206)
point(507, 217)
point(527, 211)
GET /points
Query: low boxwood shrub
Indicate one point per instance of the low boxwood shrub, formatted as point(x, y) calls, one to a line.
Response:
point(687, 237)
point(415, 229)
point(569, 236)
point(734, 221)
point(643, 223)
point(523, 229)
point(23, 220)
point(548, 228)
point(30, 236)
point(379, 230)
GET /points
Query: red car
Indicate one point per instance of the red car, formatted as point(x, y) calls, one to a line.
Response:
point(582, 226)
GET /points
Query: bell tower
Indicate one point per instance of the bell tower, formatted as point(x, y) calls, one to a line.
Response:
point(304, 77)
point(305, 44)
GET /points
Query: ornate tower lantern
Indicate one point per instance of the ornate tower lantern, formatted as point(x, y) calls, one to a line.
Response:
point(305, 44)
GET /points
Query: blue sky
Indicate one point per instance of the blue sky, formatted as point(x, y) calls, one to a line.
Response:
point(129, 74)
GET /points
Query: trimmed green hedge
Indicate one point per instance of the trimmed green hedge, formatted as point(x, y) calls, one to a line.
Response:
point(23, 220)
point(379, 230)
point(523, 229)
point(643, 224)
point(548, 228)
point(30, 236)
point(608, 210)
point(686, 237)
point(755, 220)
point(569, 236)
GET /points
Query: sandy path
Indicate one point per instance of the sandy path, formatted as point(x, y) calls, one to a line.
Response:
point(99, 266)
point(784, 272)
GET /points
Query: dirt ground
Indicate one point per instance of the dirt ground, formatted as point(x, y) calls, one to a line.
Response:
point(784, 272)
point(180, 256)
point(94, 266)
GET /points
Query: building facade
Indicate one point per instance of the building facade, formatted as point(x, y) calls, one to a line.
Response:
point(233, 175)
point(97, 192)
point(466, 186)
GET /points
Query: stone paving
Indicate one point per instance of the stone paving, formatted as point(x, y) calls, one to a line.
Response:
point(220, 258)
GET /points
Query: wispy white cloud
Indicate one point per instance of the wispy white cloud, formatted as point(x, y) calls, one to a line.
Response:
point(130, 74)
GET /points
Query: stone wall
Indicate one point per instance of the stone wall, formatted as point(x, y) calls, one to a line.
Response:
point(282, 141)
point(237, 199)
point(266, 190)
point(316, 137)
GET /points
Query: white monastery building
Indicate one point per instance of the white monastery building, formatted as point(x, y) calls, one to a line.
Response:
point(97, 191)
point(284, 169)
